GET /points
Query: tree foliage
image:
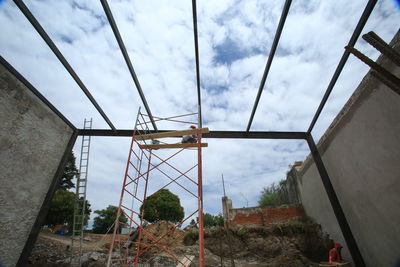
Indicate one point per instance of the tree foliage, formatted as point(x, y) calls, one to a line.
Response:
point(212, 221)
point(70, 172)
point(106, 218)
point(163, 205)
point(272, 195)
point(61, 209)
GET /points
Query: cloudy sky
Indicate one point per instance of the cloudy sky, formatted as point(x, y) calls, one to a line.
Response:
point(234, 39)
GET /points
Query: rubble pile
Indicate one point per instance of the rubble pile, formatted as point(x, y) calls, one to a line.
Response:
point(291, 244)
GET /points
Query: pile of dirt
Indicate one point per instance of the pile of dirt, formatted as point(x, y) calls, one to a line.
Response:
point(295, 244)
point(291, 244)
point(170, 237)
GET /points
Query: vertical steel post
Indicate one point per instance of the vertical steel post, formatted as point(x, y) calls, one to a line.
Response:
point(337, 208)
point(200, 202)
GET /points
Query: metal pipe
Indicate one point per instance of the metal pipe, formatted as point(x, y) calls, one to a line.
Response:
point(278, 33)
point(196, 50)
point(121, 44)
point(116, 224)
point(337, 208)
point(200, 201)
point(143, 206)
point(24, 9)
point(357, 31)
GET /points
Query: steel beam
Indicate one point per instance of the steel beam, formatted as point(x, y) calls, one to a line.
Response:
point(357, 31)
point(211, 134)
point(124, 52)
point(24, 9)
point(377, 42)
point(35, 91)
point(337, 208)
point(378, 71)
point(196, 51)
point(278, 33)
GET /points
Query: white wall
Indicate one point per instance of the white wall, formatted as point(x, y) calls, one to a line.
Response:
point(361, 152)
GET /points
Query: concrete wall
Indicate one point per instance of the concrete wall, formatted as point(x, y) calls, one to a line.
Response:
point(289, 192)
point(32, 142)
point(361, 152)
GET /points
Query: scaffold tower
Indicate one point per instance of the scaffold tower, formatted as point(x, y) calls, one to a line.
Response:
point(80, 199)
point(158, 160)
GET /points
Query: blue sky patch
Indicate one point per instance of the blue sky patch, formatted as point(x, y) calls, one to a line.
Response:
point(229, 52)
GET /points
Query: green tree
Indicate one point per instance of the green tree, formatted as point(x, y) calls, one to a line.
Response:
point(163, 205)
point(271, 195)
point(61, 209)
point(212, 221)
point(106, 219)
point(70, 171)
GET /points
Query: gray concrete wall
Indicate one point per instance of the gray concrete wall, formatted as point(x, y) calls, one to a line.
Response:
point(361, 152)
point(289, 192)
point(32, 142)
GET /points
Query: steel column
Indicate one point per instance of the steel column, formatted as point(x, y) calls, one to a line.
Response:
point(337, 208)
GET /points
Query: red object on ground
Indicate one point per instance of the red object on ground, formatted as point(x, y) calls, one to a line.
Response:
point(334, 253)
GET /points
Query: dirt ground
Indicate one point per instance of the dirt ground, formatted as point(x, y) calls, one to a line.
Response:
point(292, 244)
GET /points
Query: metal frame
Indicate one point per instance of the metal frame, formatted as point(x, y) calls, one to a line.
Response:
point(247, 134)
point(136, 188)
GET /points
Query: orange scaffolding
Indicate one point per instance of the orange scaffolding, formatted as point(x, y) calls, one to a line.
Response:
point(143, 161)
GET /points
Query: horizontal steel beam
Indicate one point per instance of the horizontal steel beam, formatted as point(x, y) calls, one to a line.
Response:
point(211, 134)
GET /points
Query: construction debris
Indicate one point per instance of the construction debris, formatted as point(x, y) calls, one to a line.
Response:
point(295, 244)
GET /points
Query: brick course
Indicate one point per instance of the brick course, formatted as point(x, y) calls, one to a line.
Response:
point(266, 215)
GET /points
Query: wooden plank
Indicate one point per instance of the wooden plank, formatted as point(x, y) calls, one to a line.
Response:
point(161, 146)
point(171, 134)
point(186, 260)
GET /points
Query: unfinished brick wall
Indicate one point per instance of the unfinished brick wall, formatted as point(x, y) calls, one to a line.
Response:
point(266, 215)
